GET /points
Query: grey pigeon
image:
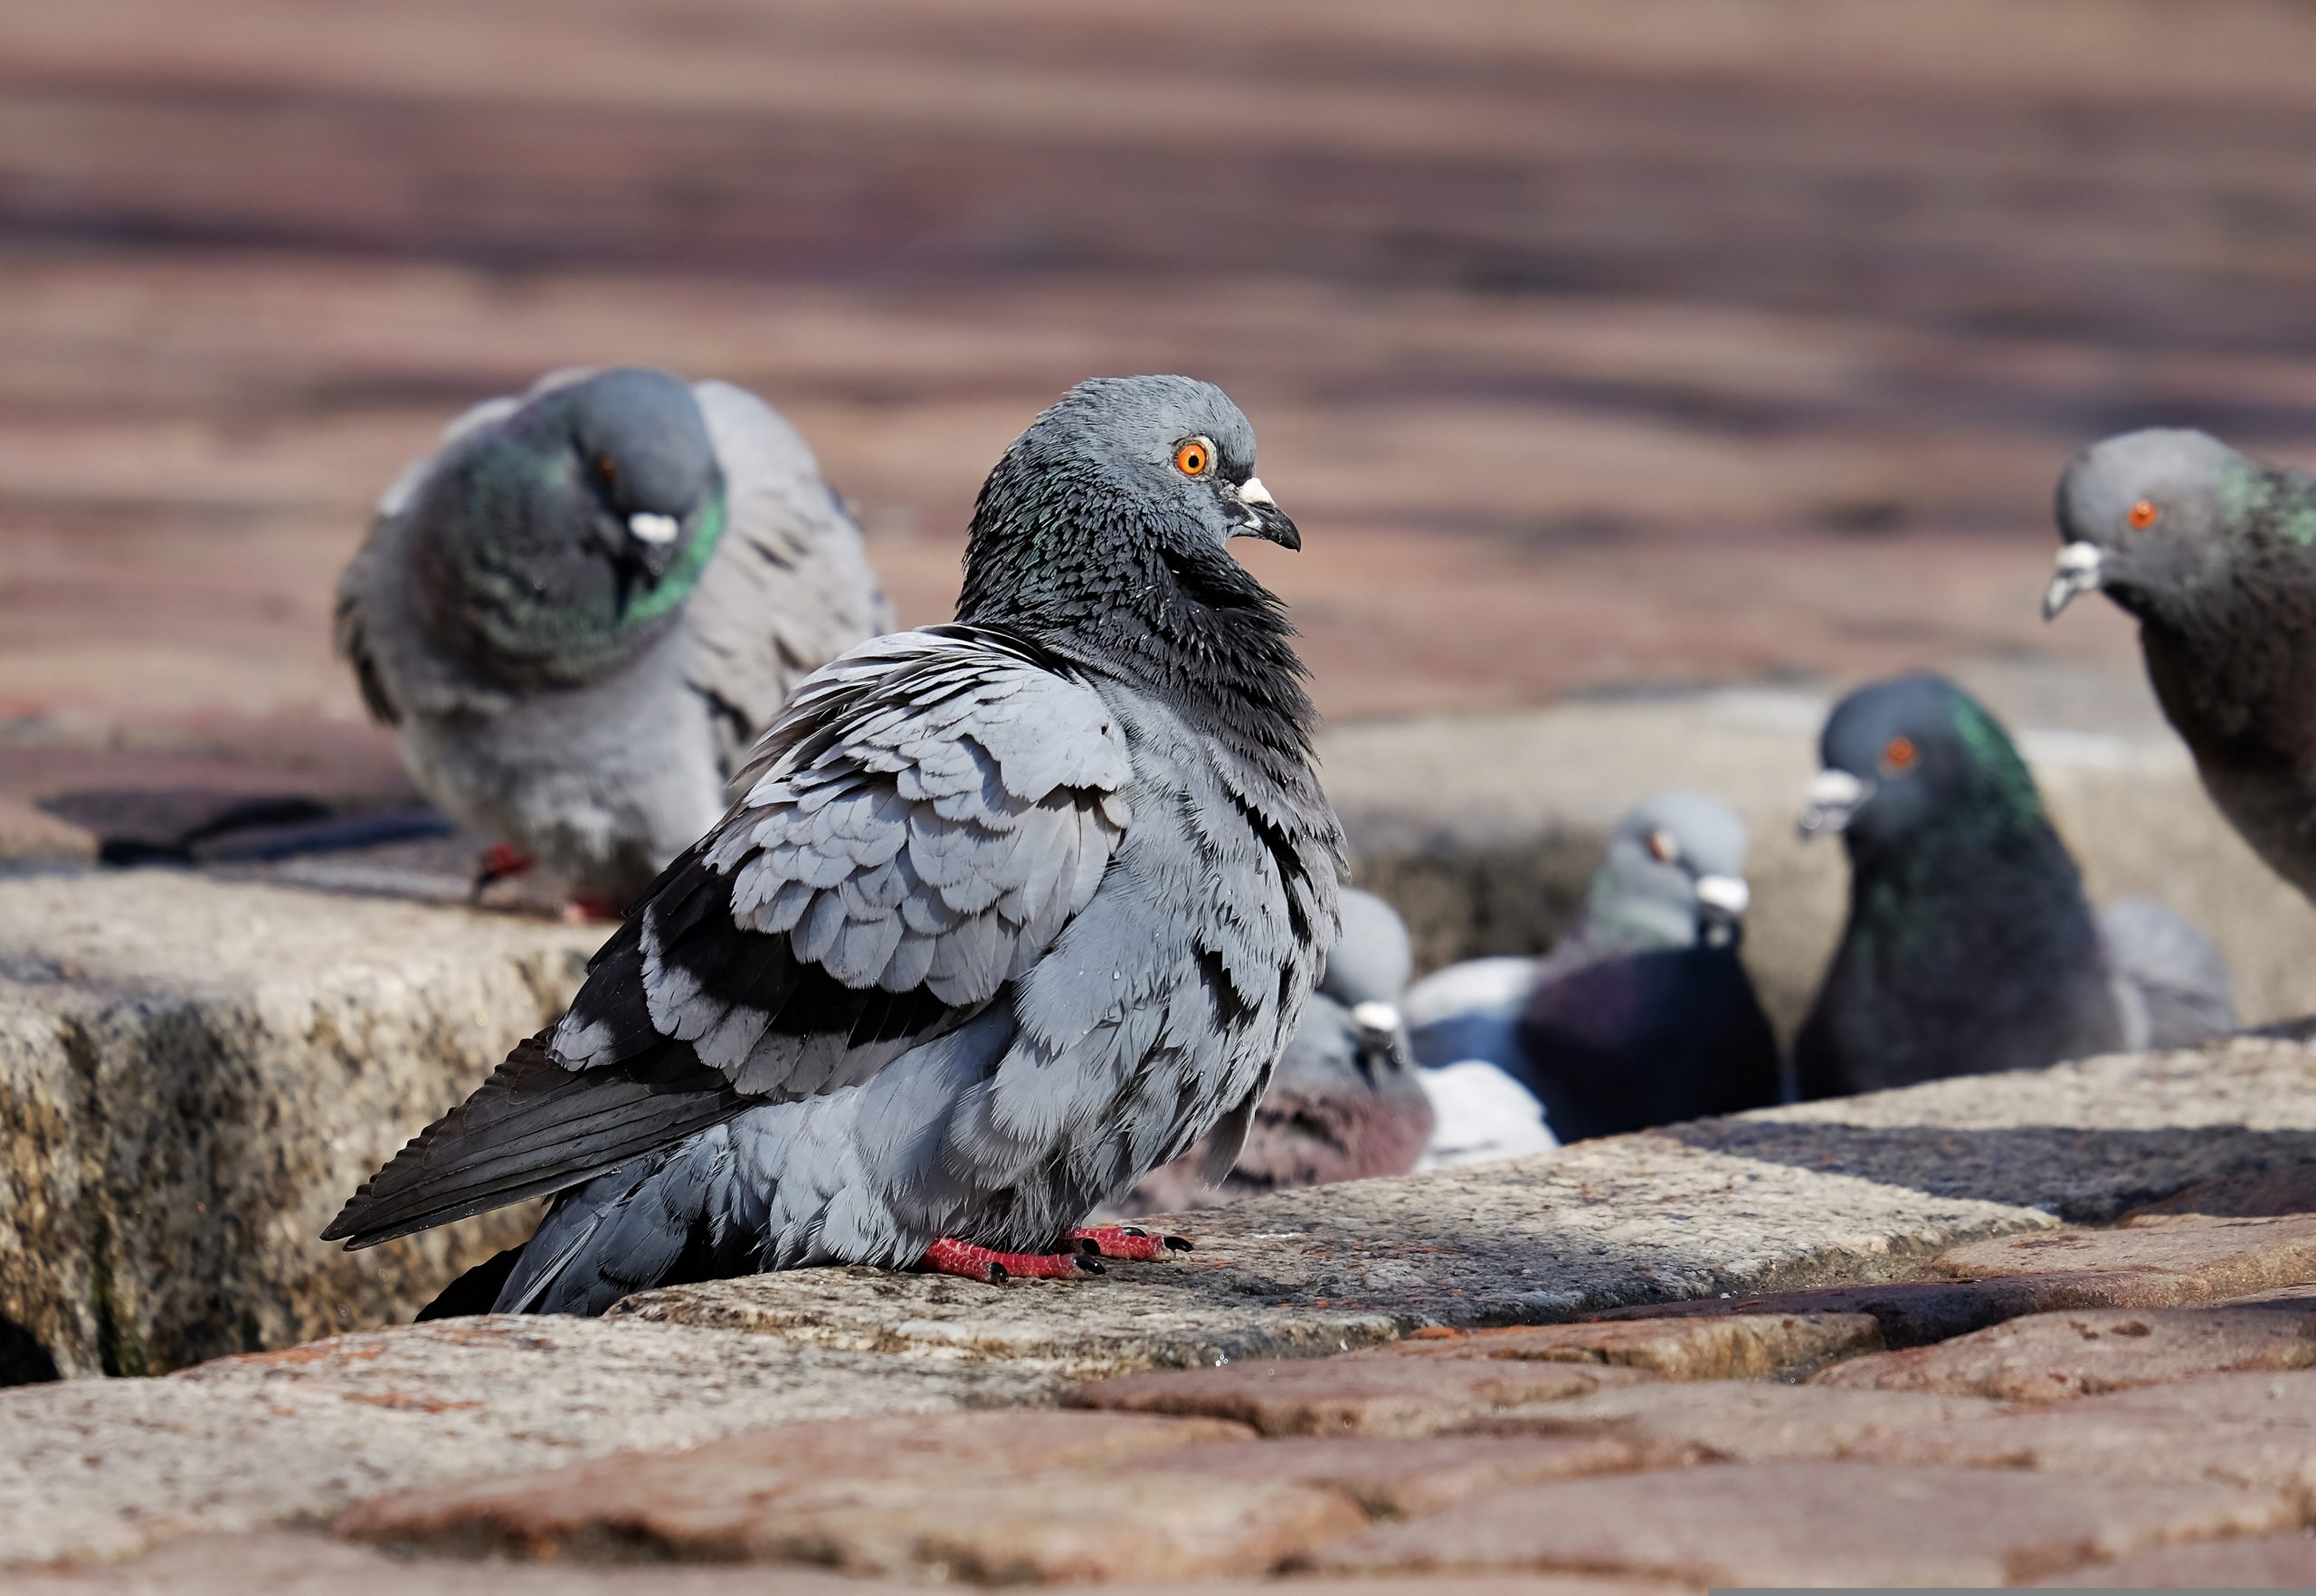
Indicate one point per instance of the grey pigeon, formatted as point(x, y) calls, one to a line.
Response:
point(1642, 1014)
point(1343, 1104)
point(1969, 945)
point(2214, 554)
point(579, 611)
point(1011, 912)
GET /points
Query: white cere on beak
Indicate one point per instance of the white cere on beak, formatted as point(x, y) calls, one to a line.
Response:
point(1728, 894)
point(2077, 573)
point(1376, 1019)
point(652, 528)
point(1834, 797)
point(1252, 491)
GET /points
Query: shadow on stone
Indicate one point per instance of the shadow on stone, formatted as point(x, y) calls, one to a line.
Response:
point(2083, 1176)
point(23, 1361)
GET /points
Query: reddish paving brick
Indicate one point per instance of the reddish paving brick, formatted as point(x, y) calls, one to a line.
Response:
point(1403, 1476)
point(2260, 1195)
point(2056, 1357)
point(2256, 1430)
point(1733, 1347)
point(2205, 1259)
point(710, 1500)
point(1811, 1524)
point(1917, 1312)
point(2250, 1562)
point(1353, 1396)
point(1096, 1525)
point(1748, 1421)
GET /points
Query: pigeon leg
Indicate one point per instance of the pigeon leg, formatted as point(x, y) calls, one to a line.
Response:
point(585, 908)
point(1127, 1241)
point(500, 861)
point(946, 1256)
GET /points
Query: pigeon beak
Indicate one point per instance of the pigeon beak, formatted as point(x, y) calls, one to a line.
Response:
point(1723, 898)
point(1378, 1022)
point(2078, 573)
point(651, 527)
point(1833, 797)
point(1264, 518)
point(655, 540)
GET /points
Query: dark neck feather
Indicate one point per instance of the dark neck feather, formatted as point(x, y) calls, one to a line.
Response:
point(1079, 579)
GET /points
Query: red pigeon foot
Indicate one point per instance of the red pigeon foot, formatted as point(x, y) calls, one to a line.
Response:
point(585, 908)
point(499, 862)
point(989, 1266)
point(1127, 1241)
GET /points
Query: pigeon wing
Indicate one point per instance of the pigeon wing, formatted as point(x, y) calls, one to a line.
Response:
point(2171, 980)
point(790, 587)
point(923, 820)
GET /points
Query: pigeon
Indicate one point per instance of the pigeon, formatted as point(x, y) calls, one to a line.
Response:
point(2214, 554)
point(1008, 913)
point(1344, 1103)
point(1969, 945)
point(579, 611)
point(1642, 1014)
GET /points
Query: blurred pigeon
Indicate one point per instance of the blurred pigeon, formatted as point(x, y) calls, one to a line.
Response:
point(1969, 945)
point(1480, 1115)
point(2215, 554)
point(1343, 1104)
point(1011, 912)
point(579, 611)
point(1642, 1014)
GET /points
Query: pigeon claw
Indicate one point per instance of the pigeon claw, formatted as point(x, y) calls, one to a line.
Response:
point(1126, 1242)
point(991, 1266)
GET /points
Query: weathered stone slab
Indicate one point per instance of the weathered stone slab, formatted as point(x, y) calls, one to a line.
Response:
point(2257, 1195)
point(2252, 1430)
point(715, 1500)
point(1353, 1396)
point(288, 1564)
point(282, 1563)
point(1730, 1347)
point(2249, 1563)
point(1400, 1476)
point(1743, 1422)
point(1811, 1524)
point(104, 1468)
point(1858, 1191)
point(1919, 1313)
point(193, 1075)
point(2085, 1141)
point(2209, 1258)
point(2055, 1357)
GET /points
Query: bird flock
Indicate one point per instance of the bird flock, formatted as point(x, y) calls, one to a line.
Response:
point(962, 948)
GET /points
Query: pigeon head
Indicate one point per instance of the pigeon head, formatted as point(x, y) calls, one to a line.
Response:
point(553, 542)
point(1371, 959)
point(645, 464)
point(1103, 533)
point(2150, 516)
point(1909, 760)
point(1673, 875)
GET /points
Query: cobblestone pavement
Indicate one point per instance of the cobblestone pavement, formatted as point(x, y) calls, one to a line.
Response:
point(2118, 1404)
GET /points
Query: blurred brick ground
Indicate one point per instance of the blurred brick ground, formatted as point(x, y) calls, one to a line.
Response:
point(1593, 345)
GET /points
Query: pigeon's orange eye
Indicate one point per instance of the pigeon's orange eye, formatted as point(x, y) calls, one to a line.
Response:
point(606, 469)
point(1898, 756)
point(1663, 847)
point(1194, 458)
point(2144, 514)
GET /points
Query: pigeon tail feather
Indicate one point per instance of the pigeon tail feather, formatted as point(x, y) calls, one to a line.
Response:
point(534, 1127)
